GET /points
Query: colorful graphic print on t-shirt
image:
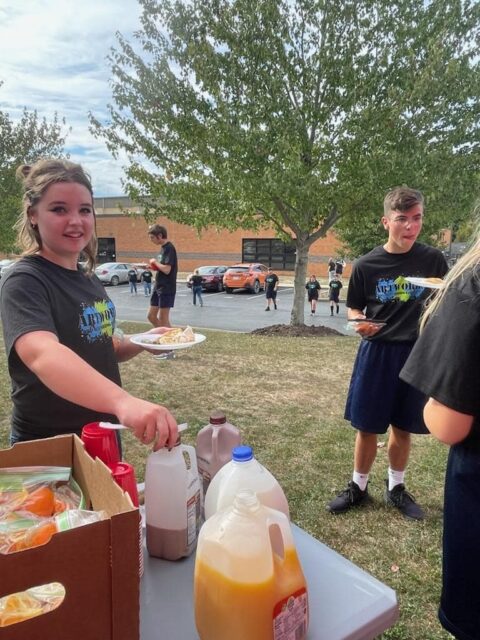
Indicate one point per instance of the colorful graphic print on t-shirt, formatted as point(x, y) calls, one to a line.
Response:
point(97, 321)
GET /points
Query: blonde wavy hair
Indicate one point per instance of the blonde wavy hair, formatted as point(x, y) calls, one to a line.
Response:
point(466, 263)
point(35, 180)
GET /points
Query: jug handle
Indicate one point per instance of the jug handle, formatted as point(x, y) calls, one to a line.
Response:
point(276, 541)
point(215, 432)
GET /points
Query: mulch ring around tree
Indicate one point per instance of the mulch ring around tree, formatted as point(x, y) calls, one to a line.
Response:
point(291, 331)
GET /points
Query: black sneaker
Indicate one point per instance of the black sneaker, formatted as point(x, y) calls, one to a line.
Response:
point(350, 497)
point(275, 307)
point(404, 501)
point(267, 309)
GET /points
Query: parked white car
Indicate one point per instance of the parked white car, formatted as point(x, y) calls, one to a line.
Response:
point(113, 272)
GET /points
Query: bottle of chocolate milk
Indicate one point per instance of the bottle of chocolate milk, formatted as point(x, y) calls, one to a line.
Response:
point(214, 446)
point(172, 502)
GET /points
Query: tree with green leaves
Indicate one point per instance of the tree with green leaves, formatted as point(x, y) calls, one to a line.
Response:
point(296, 114)
point(22, 142)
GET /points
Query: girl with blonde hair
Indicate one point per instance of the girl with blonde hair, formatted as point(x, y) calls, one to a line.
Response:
point(445, 365)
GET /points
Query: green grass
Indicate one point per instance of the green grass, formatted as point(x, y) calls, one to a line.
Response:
point(287, 397)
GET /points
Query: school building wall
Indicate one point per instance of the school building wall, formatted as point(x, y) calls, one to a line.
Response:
point(132, 244)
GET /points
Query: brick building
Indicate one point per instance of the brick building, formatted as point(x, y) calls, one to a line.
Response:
point(123, 238)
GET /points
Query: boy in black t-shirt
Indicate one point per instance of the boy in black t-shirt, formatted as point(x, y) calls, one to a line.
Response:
point(377, 398)
point(166, 266)
point(334, 294)
point(271, 286)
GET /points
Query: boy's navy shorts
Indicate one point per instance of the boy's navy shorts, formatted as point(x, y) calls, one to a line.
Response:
point(162, 300)
point(377, 397)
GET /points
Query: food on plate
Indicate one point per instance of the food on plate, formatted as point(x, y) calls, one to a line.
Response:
point(176, 335)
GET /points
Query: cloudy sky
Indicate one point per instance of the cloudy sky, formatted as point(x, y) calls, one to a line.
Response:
point(53, 58)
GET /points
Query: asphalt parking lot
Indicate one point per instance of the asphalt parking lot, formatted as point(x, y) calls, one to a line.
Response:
point(238, 311)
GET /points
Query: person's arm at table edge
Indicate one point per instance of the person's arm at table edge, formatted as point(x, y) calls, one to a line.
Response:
point(70, 377)
point(447, 425)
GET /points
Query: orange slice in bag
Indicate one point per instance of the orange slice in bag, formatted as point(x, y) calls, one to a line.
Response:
point(41, 502)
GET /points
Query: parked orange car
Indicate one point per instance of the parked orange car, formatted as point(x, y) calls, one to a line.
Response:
point(245, 276)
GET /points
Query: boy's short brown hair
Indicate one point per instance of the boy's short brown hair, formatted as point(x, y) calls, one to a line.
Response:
point(157, 230)
point(401, 199)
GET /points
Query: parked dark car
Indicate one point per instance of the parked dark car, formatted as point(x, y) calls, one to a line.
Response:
point(212, 277)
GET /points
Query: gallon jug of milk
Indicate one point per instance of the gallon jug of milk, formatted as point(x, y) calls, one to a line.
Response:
point(172, 502)
point(214, 446)
point(244, 472)
point(248, 581)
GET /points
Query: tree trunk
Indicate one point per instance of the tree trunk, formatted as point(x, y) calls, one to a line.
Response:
point(301, 261)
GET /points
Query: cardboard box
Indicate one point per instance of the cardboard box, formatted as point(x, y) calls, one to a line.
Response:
point(98, 564)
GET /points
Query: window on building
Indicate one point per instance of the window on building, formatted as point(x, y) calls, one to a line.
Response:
point(269, 251)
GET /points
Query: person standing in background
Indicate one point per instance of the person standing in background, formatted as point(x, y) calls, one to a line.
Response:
point(132, 279)
point(340, 265)
point(271, 286)
point(146, 278)
point(444, 365)
point(334, 293)
point(166, 266)
point(196, 281)
point(313, 287)
point(331, 268)
point(377, 399)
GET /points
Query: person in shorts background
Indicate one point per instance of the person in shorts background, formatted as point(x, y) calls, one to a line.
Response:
point(444, 365)
point(334, 293)
point(271, 286)
point(166, 267)
point(313, 287)
point(377, 398)
point(339, 267)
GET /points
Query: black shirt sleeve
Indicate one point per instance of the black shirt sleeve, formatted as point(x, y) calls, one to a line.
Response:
point(444, 363)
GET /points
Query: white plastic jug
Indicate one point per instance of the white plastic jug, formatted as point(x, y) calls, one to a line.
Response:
point(214, 447)
point(248, 582)
point(244, 472)
point(172, 502)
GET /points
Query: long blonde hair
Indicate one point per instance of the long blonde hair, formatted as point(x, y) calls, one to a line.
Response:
point(466, 263)
point(35, 180)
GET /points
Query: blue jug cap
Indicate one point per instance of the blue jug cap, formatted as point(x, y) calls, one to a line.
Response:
point(242, 453)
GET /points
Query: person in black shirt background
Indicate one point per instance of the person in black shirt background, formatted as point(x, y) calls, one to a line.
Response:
point(196, 280)
point(334, 294)
point(271, 286)
point(313, 287)
point(166, 266)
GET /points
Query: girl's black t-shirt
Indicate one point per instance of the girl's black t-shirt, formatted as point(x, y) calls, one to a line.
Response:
point(38, 295)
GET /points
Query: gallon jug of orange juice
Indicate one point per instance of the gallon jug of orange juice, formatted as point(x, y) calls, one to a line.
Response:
point(214, 446)
point(244, 472)
point(172, 502)
point(248, 582)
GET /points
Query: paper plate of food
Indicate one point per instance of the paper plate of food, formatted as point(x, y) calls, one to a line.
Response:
point(428, 283)
point(176, 338)
point(356, 322)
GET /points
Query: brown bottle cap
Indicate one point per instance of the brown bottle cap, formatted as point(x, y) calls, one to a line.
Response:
point(217, 417)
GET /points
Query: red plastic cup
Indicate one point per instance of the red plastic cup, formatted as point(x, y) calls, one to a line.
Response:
point(124, 475)
point(101, 443)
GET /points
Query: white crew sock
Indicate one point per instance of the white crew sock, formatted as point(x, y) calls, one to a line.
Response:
point(395, 478)
point(361, 479)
